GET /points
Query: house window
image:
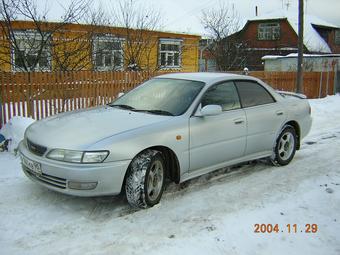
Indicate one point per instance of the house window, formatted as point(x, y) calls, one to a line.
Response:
point(268, 31)
point(337, 37)
point(108, 53)
point(31, 51)
point(170, 53)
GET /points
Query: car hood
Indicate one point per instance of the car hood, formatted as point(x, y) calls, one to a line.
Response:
point(80, 129)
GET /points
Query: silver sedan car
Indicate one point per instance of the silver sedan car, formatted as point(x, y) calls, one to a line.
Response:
point(175, 126)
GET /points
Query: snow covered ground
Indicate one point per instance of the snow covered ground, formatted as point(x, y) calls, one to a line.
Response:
point(213, 214)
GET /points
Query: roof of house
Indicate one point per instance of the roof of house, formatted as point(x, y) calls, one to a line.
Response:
point(312, 39)
point(27, 24)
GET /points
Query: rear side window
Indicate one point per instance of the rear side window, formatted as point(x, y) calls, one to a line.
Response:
point(223, 94)
point(252, 94)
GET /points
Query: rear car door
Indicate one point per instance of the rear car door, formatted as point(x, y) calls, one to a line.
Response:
point(220, 138)
point(264, 116)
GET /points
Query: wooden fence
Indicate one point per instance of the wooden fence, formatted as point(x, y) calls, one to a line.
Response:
point(315, 84)
point(39, 95)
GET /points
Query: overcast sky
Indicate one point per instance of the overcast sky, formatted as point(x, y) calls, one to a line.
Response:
point(184, 15)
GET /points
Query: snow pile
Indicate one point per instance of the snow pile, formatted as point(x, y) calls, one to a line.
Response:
point(326, 115)
point(14, 130)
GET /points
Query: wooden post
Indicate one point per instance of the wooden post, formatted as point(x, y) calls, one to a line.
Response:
point(299, 87)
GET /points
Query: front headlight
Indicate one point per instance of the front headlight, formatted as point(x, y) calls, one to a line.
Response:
point(78, 156)
point(65, 155)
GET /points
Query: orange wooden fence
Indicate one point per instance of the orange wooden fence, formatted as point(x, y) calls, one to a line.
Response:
point(41, 94)
point(315, 84)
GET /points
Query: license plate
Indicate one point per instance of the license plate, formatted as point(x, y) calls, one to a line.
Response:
point(33, 166)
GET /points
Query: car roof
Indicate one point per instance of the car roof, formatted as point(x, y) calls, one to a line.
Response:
point(205, 77)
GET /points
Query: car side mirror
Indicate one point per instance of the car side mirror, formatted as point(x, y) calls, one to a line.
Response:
point(211, 109)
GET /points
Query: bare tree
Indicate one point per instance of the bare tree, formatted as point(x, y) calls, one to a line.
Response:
point(222, 24)
point(139, 23)
point(32, 47)
point(73, 49)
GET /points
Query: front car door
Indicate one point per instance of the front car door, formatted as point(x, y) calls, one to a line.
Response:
point(264, 116)
point(220, 138)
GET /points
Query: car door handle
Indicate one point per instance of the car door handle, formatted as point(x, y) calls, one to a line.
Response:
point(279, 113)
point(238, 121)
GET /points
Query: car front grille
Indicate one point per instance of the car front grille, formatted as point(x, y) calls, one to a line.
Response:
point(47, 179)
point(35, 148)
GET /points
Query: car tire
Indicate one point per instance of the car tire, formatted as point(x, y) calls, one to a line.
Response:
point(285, 147)
point(145, 180)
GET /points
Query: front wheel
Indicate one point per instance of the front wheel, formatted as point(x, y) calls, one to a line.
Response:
point(145, 181)
point(285, 148)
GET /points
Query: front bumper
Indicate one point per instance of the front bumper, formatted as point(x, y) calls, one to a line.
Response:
point(57, 175)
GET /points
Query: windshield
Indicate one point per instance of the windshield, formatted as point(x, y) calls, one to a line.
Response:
point(161, 96)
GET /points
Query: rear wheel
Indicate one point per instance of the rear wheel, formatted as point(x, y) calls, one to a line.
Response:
point(285, 148)
point(145, 181)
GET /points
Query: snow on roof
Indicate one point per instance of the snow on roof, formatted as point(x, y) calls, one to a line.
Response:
point(295, 55)
point(312, 39)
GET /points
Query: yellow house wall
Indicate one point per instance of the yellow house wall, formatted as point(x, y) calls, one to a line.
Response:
point(73, 48)
point(189, 56)
point(5, 56)
point(5, 53)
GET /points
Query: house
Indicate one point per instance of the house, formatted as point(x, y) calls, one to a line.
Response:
point(276, 33)
point(66, 47)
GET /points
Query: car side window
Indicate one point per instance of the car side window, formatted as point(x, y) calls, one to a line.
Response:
point(223, 94)
point(252, 94)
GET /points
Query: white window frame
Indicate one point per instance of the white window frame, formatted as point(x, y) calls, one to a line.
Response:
point(113, 39)
point(170, 53)
point(24, 35)
point(269, 31)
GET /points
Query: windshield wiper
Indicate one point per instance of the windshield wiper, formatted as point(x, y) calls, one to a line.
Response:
point(123, 106)
point(159, 112)
point(128, 107)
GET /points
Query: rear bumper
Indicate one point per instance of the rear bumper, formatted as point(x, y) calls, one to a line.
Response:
point(57, 175)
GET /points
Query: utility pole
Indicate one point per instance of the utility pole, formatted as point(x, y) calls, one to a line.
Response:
point(299, 87)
